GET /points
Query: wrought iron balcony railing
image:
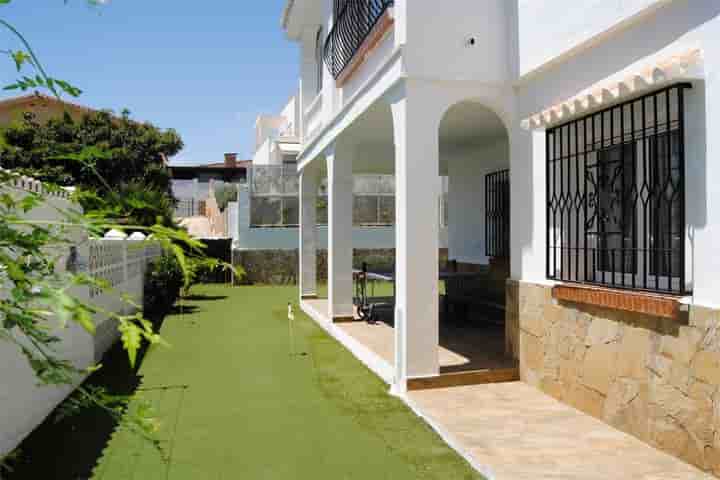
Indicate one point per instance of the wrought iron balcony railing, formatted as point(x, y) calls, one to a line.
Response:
point(354, 20)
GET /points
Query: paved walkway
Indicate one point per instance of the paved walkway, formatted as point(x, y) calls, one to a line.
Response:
point(512, 431)
point(515, 432)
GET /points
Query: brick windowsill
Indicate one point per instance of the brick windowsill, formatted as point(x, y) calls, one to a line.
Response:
point(658, 305)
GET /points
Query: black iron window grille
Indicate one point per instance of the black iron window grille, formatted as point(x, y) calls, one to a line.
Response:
point(616, 196)
point(354, 20)
point(497, 214)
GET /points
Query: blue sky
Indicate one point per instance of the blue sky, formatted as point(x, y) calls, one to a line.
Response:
point(206, 69)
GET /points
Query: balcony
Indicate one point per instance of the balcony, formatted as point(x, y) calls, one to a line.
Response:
point(354, 23)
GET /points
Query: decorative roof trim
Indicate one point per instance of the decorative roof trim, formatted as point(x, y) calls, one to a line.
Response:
point(684, 66)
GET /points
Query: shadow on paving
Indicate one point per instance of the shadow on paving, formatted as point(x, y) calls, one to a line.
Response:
point(68, 449)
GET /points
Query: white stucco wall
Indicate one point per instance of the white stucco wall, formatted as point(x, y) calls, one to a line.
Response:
point(674, 29)
point(552, 28)
point(25, 403)
point(438, 37)
point(263, 156)
point(467, 169)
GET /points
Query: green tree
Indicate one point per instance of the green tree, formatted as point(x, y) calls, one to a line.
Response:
point(100, 145)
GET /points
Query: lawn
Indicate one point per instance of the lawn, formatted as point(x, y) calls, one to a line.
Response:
point(235, 404)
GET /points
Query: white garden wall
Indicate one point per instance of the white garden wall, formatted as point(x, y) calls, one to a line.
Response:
point(122, 263)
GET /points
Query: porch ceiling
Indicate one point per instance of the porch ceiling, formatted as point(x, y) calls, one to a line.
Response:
point(467, 125)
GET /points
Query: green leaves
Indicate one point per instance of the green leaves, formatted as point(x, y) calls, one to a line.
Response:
point(41, 82)
point(20, 59)
point(131, 337)
point(133, 330)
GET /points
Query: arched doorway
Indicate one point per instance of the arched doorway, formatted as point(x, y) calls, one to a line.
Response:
point(475, 157)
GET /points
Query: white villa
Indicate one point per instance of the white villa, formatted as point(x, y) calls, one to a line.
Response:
point(606, 115)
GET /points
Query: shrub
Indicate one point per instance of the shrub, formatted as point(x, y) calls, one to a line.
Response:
point(163, 282)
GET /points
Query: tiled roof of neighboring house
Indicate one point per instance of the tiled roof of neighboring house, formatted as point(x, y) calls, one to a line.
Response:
point(36, 99)
point(36, 96)
point(192, 171)
point(240, 165)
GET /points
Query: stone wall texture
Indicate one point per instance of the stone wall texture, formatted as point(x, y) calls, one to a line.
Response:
point(280, 267)
point(657, 379)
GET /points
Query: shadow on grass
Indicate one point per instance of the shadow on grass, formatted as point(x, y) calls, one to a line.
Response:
point(69, 449)
point(184, 309)
point(204, 298)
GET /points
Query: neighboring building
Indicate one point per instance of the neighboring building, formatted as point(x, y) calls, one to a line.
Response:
point(191, 184)
point(579, 141)
point(276, 137)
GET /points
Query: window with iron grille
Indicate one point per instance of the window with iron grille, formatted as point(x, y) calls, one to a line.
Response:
point(616, 196)
point(497, 214)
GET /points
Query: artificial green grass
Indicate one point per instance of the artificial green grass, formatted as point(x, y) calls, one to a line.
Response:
point(235, 404)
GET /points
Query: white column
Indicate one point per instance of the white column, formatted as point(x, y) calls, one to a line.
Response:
point(702, 184)
point(416, 238)
point(308, 233)
point(340, 251)
point(527, 205)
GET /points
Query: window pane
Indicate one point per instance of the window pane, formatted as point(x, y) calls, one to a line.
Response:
point(291, 183)
point(291, 213)
point(267, 180)
point(365, 210)
point(322, 210)
point(387, 184)
point(365, 184)
point(616, 214)
point(265, 211)
point(387, 210)
point(323, 188)
point(667, 231)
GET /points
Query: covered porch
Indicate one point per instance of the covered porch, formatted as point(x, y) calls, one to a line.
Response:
point(425, 134)
point(472, 353)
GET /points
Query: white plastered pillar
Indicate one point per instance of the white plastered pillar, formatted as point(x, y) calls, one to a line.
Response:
point(417, 235)
point(308, 233)
point(527, 205)
point(340, 221)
